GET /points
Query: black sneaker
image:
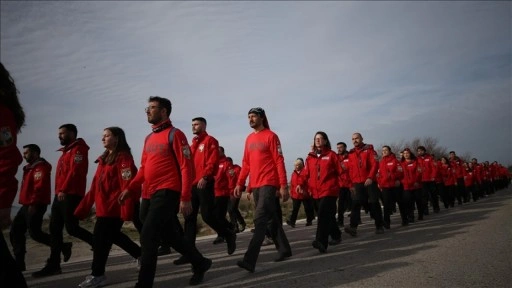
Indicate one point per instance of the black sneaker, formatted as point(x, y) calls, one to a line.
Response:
point(163, 250)
point(181, 261)
point(245, 265)
point(231, 242)
point(242, 228)
point(334, 242)
point(48, 270)
point(319, 246)
point(66, 250)
point(283, 257)
point(199, 272)
point(379, 230)
point(352, 231)
point(309, 223)
point(387, 225)
point(290, 223)
point(218, 240)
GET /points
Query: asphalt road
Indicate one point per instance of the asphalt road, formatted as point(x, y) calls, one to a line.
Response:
point(465, 246)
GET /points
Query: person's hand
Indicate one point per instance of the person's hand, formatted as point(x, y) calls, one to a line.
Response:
point(61, 196)
point(202, 183)
point(368, 182)
point(185, 208)
point(237, 193)
point(5, 218)
point(299, 189)
point(125, 194)
point(284, 193)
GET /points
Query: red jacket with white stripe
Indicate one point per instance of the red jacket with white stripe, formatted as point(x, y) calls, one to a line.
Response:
point(71, 172)
point(390, 171)
point(412, 175)
point(362, 164)
point(322, 173)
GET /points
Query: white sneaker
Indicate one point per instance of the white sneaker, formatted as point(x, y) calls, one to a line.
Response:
point(93, 281)
point(138, 264)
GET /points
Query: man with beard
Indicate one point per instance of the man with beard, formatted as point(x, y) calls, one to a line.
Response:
point(167, 172)
point(70, 182)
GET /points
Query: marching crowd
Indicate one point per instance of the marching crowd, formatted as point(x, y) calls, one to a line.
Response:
point(175, 176)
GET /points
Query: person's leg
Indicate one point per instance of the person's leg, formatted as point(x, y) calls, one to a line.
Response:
point(374, 204)
point(310, 212)
point(190, 226)
point(72, 223)
point(10, 275)
point(295, 212)
point(17, 236)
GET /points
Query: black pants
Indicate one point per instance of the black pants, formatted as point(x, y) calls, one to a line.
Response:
point(107, 230)
point(136, 217)
point(220, 210)
point(158, 213)
point(31, 221)
point(411, 197)
point(389, 198)
point(361, 196)
point(204, 199)
point(235, 216)
point(10, 275)
point(308, 209)
point(344, 203)
point(62, 215)
point(266, 214)
point(461, 191)
point(327, 220)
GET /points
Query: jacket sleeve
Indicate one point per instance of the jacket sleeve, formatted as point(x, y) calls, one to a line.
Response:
point(212, 163)
point(374, 164)
point(136, 184)
point(244, 171)
point(77, 167)
point(183, 155)
point(42, 185)
point(83, 209)
point(126, 172)
point(277, 154)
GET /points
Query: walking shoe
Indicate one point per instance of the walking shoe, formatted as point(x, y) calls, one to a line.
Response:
point(267, 241)
point(66, 250)
point(242, 228)
point(352, 231)
point(379, 230)
point(180, 261)
point(290, 223)
point(138, 264)
point(218, 240)
point(231, 242)
point(319, 246)
point(48, 270)
point(405, 223)
point(283, 257)
point(420, 217)
point(387, 225)
point(245, 265)
point(198, 276)
point(309, 223)
point(93, 281)
point(163, 250)
point(334, 242)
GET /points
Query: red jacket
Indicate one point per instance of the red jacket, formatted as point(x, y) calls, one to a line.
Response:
point(36, 187)
point(234, 172)
point(412, 174)
point(344, 181)
point(263, 160)
point(71, 173)
point(362, 163)
point(478, 173)
point(448, 174)
point(390, 171)
point(163, 166)
point(222, 178)
point(323, 173)
point(458, 167)
point(469, 178)
point(205, 152)
point(108, 182)
point(10, 157)
point(428, 168)
point(297, 179)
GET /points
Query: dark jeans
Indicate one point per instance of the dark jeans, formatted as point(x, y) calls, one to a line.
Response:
point(389, 198)
point(204, 199)
point(234, 214)
point(430, 194)
point(136, 217)
point(327, 220)
point(62, 215)
point(409, 198)
point(107, 230)
point(158, 213)
point(461, 191)
point(31, 221)
point(344, 203)
point(308, 208)
point(220, 209)
point(363, 195)
point(10, 275)
point(266, 214)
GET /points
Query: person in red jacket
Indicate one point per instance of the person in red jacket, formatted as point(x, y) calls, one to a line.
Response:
point(388, 179)
point(236, 218)
point(205, 153)
point(469, 180)
point(457, 164)
point(344, 199)
point(412, 186)
point(448, 175)
point(300, 198)
point(263, 162)
point(322, 174)
point(428, 179)
point(11, 121)
point(35, 194)
point(167, 171)
point(115, 171)
point(222, 193)
point(70, 182)
point(478, 173)
point(362, 168)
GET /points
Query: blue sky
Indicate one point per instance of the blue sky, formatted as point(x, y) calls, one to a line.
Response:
point(392, 71)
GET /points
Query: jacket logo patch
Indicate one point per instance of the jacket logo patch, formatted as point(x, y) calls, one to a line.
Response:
point(126, 173)
point(38, 175)
point(325, 158)
point(5, 136)
point(78, 157)
point(231, 172)
point(201, 147)
point(186, 151)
